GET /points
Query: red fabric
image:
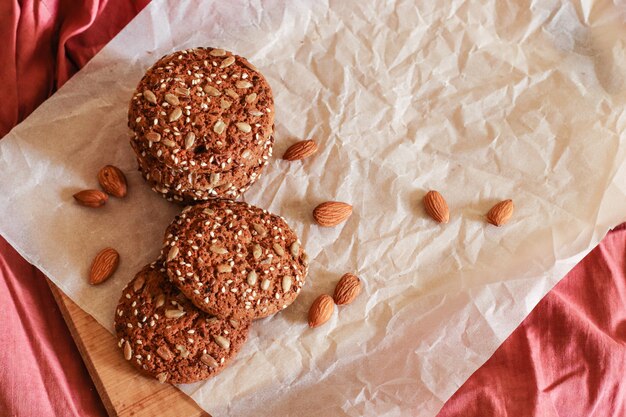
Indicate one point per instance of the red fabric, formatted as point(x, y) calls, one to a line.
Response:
point(47, 41)
point(568, 355)
point(564, 360)
point(41, 373)
point(44, 43)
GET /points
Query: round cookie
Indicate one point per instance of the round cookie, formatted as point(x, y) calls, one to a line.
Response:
point(233, 259)
point(166, 336)
point(204, 110)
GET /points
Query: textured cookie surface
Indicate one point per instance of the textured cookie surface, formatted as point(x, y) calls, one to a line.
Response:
point(167, 337)
point(233, 259)
point(190, 187)
point(204, 110)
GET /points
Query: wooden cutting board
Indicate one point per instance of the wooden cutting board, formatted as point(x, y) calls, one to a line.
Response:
point(124, 391)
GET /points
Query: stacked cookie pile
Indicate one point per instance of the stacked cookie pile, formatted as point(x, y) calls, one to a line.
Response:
point(223, 263)
point(202, 122)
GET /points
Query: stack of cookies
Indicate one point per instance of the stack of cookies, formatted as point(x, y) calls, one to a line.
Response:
point(202, 122)
point(200, 132)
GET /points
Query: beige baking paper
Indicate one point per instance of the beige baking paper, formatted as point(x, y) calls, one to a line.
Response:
point(482, 101)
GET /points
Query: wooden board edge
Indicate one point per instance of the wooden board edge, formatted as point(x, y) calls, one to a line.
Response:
point(183, 402)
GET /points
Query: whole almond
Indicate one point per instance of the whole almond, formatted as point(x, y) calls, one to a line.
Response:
point(436, 207)
point(300, 150)
point(331, 213)
point(501, 213)
point(112, 181)
point(91, 198)
point(321, 310)
point(104, 265)
point(347, 289)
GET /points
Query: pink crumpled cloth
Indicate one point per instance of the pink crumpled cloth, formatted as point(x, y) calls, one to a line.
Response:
point(566, 359)
point(44, 42)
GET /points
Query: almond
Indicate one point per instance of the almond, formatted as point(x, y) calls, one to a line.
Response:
point(91, 198)
point(501, 213)
point(300, 150)
point(436, 207)
point(103, 266)
point(112, 181)
point(331, 213)
point(321, 310)
point(347, 289)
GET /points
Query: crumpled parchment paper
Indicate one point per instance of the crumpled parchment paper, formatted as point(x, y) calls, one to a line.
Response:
point(482, 101)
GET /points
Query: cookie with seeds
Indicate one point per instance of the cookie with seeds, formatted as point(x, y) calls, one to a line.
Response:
point(204, 110)
point(163, 334)
point(191, 187)
point(233, 259)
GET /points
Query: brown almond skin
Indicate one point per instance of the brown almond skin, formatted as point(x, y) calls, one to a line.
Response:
point(501, 213)
point(321, 310)
point(436, 207)
point(91, 198)
point(113, 181)
point(300, 150)
point(103, 266)
point(331, 213)
point(347, 289)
